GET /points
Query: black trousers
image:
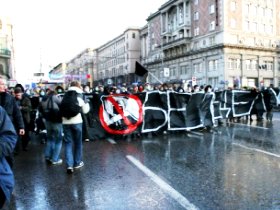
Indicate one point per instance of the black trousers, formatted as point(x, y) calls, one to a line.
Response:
point(2, 198)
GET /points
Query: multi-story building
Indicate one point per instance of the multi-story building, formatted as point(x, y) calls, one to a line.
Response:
point(81, 67)
point(111, 63)
point(58, 75)
point(7, 69)
point(116, 59)
point(216, 42)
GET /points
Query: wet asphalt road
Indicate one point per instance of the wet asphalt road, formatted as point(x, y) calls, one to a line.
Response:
point(235, 167)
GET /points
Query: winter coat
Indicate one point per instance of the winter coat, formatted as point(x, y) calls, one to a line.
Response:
point(8, 139)
point(56, 101)
point(84, 106)
point(8, 102)
point(26, 107)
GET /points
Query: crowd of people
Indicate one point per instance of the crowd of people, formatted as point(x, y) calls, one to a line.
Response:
point(63, 115)
point(19, 113)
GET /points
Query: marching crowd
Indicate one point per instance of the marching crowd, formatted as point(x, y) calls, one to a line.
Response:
point(64, 119)
point(61, 117)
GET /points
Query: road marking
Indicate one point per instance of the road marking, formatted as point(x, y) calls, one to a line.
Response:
point(163, 185)
point(257, 150)
point(197, 133)
point(254, 126)
point(112, 141)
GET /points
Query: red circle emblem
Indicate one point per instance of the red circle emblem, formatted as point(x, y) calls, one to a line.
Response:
point(120, 114)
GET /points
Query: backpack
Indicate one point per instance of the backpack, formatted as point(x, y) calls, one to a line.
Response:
point(70, 105)
point(50, 112)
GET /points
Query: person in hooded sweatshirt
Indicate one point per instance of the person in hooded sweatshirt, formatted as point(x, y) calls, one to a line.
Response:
point(73, 131)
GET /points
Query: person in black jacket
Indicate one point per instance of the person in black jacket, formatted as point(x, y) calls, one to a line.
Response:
point(25, 107)
point(8, 102)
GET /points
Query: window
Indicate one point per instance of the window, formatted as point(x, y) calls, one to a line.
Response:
point(269, 29)
point(254, 27)
point(183, 70)
point(248, 64)
point(262, 11)
point(261, 28)
point(196, 16)
point(269, 65)
point(254, 65)
point(195, 67)
point(247, 25)
point(212, 65)
point(196, 31)
point(230, 63)
point(196, 2)
point(233, 6)
point(247, 9)
point(181, 19)
point(254, 10)
point(133, 35)
point(269, 13)
point(212, 26)
point(212, 40)
point(233, 23)
point(195, 45)
point(212, 9)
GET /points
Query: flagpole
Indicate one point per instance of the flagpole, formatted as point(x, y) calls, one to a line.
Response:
point(155, 78)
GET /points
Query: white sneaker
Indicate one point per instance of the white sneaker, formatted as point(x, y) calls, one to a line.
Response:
point(80, 165)
point(57, 162)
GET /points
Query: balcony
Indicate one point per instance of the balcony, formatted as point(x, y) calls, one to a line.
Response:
point(176, 43)
point(5, 53)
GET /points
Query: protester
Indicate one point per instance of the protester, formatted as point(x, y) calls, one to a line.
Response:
point(8, 102)
point(85, 117)
point(195, 89)
point(59, 90)
point(8, 139)
point(49, 108)
point(72, 127)
point(25, 107)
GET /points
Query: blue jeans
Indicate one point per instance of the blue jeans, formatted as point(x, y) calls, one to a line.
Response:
point(54, 140)
point(73, 135)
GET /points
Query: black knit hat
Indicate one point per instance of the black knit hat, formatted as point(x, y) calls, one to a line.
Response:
point(20, 86)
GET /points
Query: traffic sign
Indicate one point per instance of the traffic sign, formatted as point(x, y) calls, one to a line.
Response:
point(166, 72)
point(193, 81)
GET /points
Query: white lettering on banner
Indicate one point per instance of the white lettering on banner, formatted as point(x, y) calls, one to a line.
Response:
point(154, 109)
point(176, 111)
point(180, 111)
point(237, 103)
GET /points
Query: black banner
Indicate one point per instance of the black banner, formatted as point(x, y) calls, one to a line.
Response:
point(122, 114)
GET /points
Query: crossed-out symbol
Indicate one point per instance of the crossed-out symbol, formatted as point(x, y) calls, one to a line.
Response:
point(122, 105)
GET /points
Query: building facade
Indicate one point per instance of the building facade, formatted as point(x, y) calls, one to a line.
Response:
point(7, 69)
point(81, 67)
point(116, 59)
point(110, 64)
point(217, 42)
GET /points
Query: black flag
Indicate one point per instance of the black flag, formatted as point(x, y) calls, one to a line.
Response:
point(140, 70)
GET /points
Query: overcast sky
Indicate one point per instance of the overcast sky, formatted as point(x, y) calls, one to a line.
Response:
point(54, 31)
